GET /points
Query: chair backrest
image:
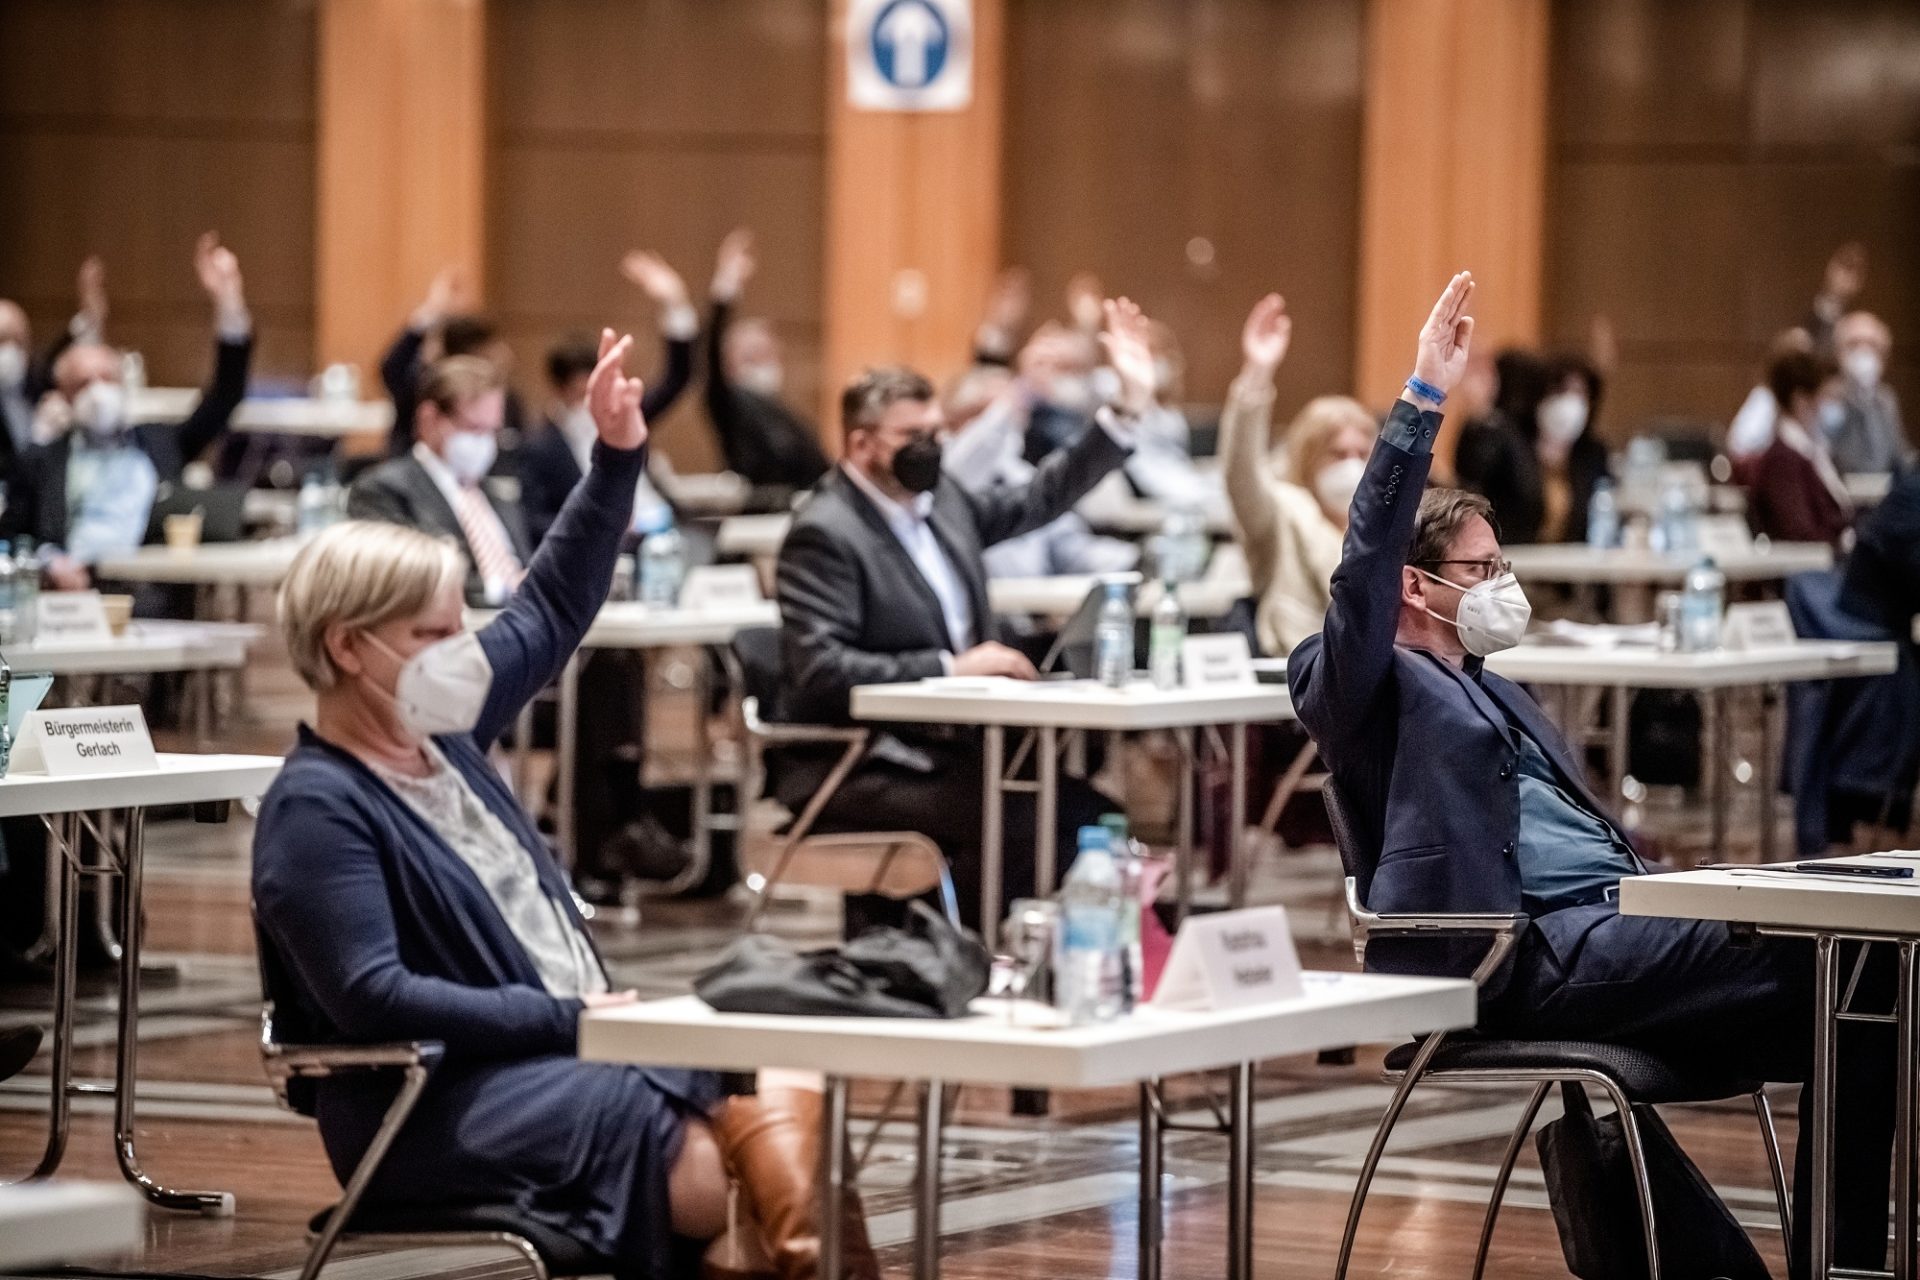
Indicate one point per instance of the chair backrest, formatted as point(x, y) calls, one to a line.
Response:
point(757, 650)
point(277, 1011)
point(1359, 852)
point(895, 864)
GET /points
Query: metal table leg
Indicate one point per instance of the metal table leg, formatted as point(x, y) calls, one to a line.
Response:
point(1907, 1003)
point(213, 1204)
point(1240, 1175)
point(1719, 760)
point(566, 749)
point(1769, 773)
point(1183, 867)
point(1150, 1176)
point(702, 764)
point(1237, 869)
point(1046, 811)
point(63, 892)
point(926, 1209)
point(1618, 746)
point(992, 835)
point(1826, 983)
point(833, 1176)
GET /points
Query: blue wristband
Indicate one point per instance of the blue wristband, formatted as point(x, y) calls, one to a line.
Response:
point(1426, 390)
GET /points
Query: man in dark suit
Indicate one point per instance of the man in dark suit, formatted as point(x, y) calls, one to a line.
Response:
point(759, 437)
point(881, 580)
point(1475, 803)
point(89, 492)
point(552, 461)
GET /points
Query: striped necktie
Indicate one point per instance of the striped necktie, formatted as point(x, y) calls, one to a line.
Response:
point(491, 553)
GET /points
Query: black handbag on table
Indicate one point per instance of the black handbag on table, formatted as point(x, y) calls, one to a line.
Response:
point(1590, 1185)
point(930, 969)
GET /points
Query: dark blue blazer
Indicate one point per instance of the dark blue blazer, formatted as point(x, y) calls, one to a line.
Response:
point(1423, 751)
point(375, 930)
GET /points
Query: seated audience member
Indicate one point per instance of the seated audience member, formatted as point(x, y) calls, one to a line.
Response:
point(438, 328)
point(1840, 284)
point(881, 579)
point(555, 458)
point(1869, 436)
point(1475, 803)
point(16, 405)
point(1496, 457)
point(439, 488)
point(987, 411)
point(1568, 448)
point(1290, 503)
point(1794, 493)
point(403, 894)
point(759, 436)
point(1751, 430)
point(88, 492)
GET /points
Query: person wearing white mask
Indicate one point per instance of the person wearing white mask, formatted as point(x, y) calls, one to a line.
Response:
point(1868, 435)
point(1794, 491)
point(402, 893)
point(1468, 798)
point(1572, 458)
point(440, 485)
point(87, 493)
point(759, 436)
point(16, 406)
point(1289, 498)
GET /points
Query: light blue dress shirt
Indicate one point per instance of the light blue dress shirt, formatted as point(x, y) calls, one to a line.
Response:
point(110, 491)
point(911, 527)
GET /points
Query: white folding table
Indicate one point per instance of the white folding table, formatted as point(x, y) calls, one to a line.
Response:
point(319, 418)
point(1001, 1045)
point(754, 537)
point(1829, 910)
point(148, 647)
point(1571, 562)
point(1710, 674)
point(46, 1224)
point(1057, 596)
point(112, 808)
point(1049, 706)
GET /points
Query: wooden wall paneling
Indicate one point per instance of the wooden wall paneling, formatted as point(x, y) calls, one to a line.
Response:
point(660, 125)
point(128, 127)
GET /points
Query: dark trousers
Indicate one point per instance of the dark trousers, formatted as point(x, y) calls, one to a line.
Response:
point(944, 805)
point(1689, 991)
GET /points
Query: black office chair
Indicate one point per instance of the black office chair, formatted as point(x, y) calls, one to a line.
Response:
point(292, 1069)
point(1631, 1078)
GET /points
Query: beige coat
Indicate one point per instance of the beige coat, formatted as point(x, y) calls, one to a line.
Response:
point(1292, 548)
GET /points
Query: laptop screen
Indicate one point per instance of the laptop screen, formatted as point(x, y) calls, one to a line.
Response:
point(28, 691)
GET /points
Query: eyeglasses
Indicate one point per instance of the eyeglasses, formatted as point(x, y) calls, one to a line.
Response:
point(1479, 570)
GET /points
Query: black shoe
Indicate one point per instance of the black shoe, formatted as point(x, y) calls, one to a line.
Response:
point(18, 1045)
point(645, 850)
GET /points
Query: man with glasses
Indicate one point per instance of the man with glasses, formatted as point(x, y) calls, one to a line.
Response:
point(1472, 801)
point(881, 580)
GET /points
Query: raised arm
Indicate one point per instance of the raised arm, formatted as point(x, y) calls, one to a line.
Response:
point(536, 634)
point(1337, 676)
point(1246, 430)
point(679, 325)
point(331, 920)
point(219, 273)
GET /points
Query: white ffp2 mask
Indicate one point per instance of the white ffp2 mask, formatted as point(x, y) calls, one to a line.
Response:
point(470, 455)
point(443, 688)
point(1337, 482)
point(1492, 616)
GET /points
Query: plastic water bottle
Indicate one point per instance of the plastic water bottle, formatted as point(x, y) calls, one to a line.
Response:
point(1086, 970)
point(1603, 517)
point(1127, 854)
point(6, 698)
point(26, 592)
point(312, 511)
point(1113, 638)
point(1164, 636)
point(663, 563)
point(1674, 531)
point(1703, 602)
point(9, 631)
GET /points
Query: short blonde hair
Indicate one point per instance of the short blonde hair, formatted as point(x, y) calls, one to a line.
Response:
point(1314, 427)
point(360, 574)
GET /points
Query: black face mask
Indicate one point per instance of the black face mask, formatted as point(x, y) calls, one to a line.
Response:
point(916, 465)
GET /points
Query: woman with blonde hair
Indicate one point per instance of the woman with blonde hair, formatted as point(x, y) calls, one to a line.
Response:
point(1290, 501)
point(403, 894)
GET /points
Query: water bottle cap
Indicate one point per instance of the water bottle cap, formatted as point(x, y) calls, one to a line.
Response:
point(1095, 839)
point(1115, 825)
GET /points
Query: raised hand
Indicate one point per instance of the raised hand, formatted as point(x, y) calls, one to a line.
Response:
point(613, 398)
point(1128, 351)
point(219, 273)
point(1846, 272)
point(656, 279)
point(1442, 353)
point(734, 265)
point(1266, 335)
point(1085, 301)
point(1010, 301)
point(446, 294)
point(92, 292)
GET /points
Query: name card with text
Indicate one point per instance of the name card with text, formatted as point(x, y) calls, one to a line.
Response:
point(1757, 624)
point(71, 618)
point(1725, 537)
point(717, 586)
point(83, 740)
point(1209, 662)
point(1231, 960)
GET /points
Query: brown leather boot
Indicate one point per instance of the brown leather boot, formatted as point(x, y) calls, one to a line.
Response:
point(771, 1144)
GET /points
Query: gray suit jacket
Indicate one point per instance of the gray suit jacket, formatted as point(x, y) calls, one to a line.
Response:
point(400, 491)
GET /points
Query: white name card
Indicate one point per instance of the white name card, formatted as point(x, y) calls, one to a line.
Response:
point(1231, 960)
point(719, 585)
point(1725, 536)
point(1208, 662)
point(82, 740)
point(1758, 624)
point(71, 617)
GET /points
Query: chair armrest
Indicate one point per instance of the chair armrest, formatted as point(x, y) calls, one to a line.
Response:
point(793, 734)
point(1501, 930)
point(313, 1061)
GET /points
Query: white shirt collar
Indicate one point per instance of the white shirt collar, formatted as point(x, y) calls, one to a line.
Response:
point(437, 471)
point(921, 503)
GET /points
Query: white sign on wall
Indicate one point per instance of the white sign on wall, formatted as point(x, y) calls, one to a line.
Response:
point(910, 55)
